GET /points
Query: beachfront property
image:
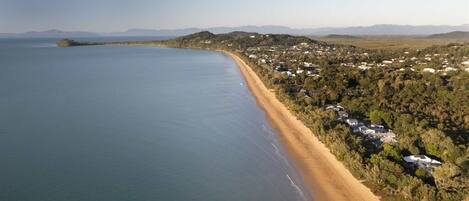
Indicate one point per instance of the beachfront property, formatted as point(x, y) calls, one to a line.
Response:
point(352, 122)
point(422, 161)
point(336, 108)
point(253, 56)
point(373, 132)
point(286, 60)
point(342, 115)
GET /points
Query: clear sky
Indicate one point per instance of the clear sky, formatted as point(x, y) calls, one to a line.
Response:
point(120, 15)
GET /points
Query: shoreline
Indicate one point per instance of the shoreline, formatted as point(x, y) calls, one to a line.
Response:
point(325, 176)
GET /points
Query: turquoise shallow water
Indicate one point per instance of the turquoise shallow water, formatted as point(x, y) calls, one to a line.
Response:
point(133, 123)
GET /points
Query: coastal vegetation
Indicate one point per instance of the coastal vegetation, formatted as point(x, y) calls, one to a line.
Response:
point(71, 43)
point(419, 94)
point(395, 42)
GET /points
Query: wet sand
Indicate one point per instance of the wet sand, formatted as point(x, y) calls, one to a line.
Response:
point(326, 177)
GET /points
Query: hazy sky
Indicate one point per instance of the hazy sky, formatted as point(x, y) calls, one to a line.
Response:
point(119, 15)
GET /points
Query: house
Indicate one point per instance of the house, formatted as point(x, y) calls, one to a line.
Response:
point(466, 63)
point(422, 161)
point(429, 70)
point(306, 64)
point(387, 62)
point(365, 130)
point(364, 67)
point(352, 122)
point(342, 115)
point(290, 74)
point(310, 74)
point(252, 56)
point(336, 108)
point(377, 128)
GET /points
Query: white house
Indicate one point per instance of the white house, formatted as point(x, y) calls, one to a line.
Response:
point(377, 128)
point(364, 67)
point(365, 130)
point(422, 161)
point(466, 63)
point(252, 56)
point(306, 64)
point(352, 122)
point(387, 62)
point(429, 70)
point(336, 108)
point(290, 74)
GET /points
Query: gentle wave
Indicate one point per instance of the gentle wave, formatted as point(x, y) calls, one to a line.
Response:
point(296, 187)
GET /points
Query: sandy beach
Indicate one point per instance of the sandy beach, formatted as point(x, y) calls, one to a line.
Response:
point(327, 178)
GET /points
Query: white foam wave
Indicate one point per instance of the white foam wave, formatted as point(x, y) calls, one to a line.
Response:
point(297, 188)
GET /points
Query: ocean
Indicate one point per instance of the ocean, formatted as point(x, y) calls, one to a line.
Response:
point(134, 123)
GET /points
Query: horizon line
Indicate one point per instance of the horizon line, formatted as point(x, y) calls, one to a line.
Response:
point(212, 27)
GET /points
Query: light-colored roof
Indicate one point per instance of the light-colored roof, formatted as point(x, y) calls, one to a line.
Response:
point(421, 159)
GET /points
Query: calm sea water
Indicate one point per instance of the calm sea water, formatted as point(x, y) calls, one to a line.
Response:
point(133, 123)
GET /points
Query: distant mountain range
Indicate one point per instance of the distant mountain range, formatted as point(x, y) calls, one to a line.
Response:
point(384, 29)
point(451, 35)
point(53, 33)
